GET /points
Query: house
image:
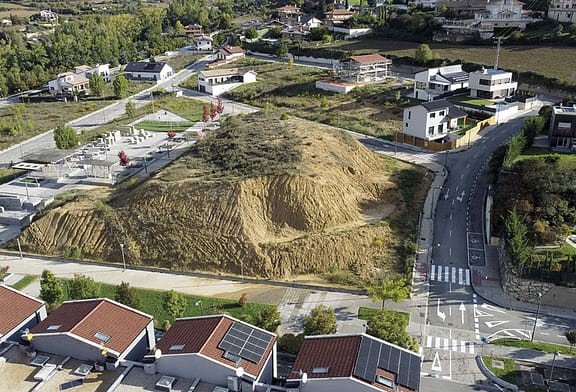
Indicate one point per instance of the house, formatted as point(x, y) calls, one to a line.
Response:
point(48, 16)
point(434, 82)
point(366, 68)
point(432, 120)
point(193, 30)
point(289, 14)
point(69, 83)
point(99, 69)
point(203, 42)
point(19, 312)
point(491, 84)
point(218, 81)
point(562, 133)
point(310, 22)
point(230, 53)
point(359, 363)
point(95, 330)
point(218, 350)
point(563, 11)
point(337, 16)
point(295, 33)
point(148, 71)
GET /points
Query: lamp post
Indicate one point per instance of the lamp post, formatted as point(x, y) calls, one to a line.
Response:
point(536, 318)
point(199, 303)
point(552, 370)
point(123, 258)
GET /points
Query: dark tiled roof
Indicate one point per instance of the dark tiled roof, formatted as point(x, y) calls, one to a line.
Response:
point(87, 317)
point(454, 112)
point(15, 307)
point(432, 106)
point(144, 66)
point(203, 335)
point(456, 77)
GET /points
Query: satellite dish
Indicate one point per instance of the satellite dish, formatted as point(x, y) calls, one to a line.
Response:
point(304, 378)
point(240, 372)
point(157, 353)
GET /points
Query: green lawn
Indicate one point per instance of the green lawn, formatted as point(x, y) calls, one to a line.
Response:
point(540, 346)
point(509, 373)
point(25, 281)
point(152, 303)
point(367, 313)
point(471, 100)
point(163, 126)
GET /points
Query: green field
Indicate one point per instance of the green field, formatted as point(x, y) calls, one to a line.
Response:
point(471, 100)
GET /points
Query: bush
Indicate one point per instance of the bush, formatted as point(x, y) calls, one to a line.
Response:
point(290, 343)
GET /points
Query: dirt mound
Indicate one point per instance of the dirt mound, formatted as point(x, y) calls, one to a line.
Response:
point(267, 196)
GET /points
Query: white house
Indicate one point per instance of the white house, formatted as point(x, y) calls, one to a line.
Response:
point(359, 363)
point(492, 84)
point(230, 53)
point(218, 350)
point(434, 82)
point(48, 16)
point(69, 83)
point(99, 69)
point(95, 330)
point(203, 42)
point(218, 81)
point(18, 313)
point(562, 11)
point(431, 120)
point(148, 71)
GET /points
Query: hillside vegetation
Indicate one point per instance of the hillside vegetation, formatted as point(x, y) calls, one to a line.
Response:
point(277, 197)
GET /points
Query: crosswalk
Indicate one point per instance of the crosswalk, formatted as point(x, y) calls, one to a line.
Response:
point(445, 273)
point(455, 345)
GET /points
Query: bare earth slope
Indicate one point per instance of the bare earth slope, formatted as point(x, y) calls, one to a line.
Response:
point(274, 197)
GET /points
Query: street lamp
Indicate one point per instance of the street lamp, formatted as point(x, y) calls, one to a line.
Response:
point(199, 303)
point(552, 370)
point(123, 259)
point(536, 318)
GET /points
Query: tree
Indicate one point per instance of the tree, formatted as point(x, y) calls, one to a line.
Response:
point(124, 159)
point(251, 32)
point(130, 108)
point(51, 289)
point(322, 321)
point(97, 84)
point(127, 295)
point(243, 300)
point(121, 86)
point(571, 336)
point(391, 326)
point(423, 54)
point(291, 61)
point(65, 137)
point(174, 303)
point(268, 319)
point(395, 290)
point(205, 114)
point(282, 50)
point(212, 111)
point(83, 287)
point(220, 107)
point(516, 240)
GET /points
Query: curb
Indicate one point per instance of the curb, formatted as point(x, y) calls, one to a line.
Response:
point(484, 369)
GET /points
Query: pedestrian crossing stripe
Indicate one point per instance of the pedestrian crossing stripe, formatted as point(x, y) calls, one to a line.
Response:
point(454, 345)
point(444, 273)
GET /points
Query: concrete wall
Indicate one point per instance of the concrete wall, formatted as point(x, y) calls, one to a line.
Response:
point(336, 385)
point(65, 345)
point(192, 366)
point(334, 87)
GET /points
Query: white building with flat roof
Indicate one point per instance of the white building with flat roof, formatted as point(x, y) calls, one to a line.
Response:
point(492, 84)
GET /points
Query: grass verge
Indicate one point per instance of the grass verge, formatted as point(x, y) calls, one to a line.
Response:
point(367, 313)
point(163, 126)
point(540, 346)
point(508, 373)
point(24, 282)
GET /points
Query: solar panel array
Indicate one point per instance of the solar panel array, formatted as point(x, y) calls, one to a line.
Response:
point(374, 354)
point(246, 342)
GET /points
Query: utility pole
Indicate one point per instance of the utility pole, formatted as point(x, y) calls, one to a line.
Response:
point(498, 44)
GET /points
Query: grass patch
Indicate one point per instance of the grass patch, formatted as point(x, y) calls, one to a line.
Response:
point(7, 175)
point(509, 373)
point(540, 346)
point(152, 302)
point(182, 61)
point(367, 313)
point(24, 282)
point(471, 100)
point(164, 126)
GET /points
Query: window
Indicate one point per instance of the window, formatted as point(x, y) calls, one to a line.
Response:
point(176, 347)
point(433, 115)
point(406, 126)
point(484, 82)
point(431, 131)
point(409, 114)
point(232, 357)
point(102, 337)
point(441, 113)
point(441, 128)
point(385, 381)
point(320, 370)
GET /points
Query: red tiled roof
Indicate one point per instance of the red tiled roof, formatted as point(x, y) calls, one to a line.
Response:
point(15, 307)
point(232, 49)
point(203, 335)
point(369, 59)
point(337, 353)
point(87, 317)
point(289, 8)
point(339, 12)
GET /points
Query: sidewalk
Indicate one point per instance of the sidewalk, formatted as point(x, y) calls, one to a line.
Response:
point(538, 358)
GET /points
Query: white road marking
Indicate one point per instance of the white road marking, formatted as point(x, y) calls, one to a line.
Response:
point(436, 365)
point(492, 324)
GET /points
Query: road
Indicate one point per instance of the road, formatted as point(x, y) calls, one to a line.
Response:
point(458, 318)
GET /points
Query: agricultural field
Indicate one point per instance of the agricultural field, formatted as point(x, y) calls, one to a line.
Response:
point(7, 9)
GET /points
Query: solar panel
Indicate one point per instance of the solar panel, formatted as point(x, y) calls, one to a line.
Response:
point(362, 358)
point(413, 381)
point(394, 363)
point(373, 357)
point(384, 362)
point(246, 342)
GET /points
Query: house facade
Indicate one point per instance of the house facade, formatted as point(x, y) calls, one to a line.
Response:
point(492, 84)
point(562, 11)
point(203, 42)
point(562, 132)
point(337, 16)
point(218, 349)
point(193, 30)
point(230, 53)
point(359, 363)
point(99, 69)
point(434, 82)
point(366, 68)
point(18, 313)
point(148, 71)
point(218, 81)
point(95, 330)
point(68, 84)
point(431, 121)
point(290, 14)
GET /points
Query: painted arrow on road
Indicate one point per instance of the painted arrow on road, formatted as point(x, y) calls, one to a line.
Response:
point(492, 308)
point(462, 309)
point(440, 314)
